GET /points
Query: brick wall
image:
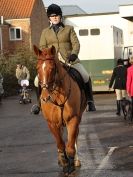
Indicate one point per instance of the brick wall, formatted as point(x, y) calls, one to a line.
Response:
point(39, 21)
point(31, 28)
point(5, 38)
point(24, 24)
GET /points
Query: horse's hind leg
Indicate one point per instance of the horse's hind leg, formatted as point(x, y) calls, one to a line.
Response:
point(57, 132)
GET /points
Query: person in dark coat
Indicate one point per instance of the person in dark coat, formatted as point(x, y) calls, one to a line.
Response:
point(118, 82)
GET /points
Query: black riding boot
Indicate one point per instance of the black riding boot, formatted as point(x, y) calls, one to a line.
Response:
point(91, 105)
point(36, 107)
point(118, 107)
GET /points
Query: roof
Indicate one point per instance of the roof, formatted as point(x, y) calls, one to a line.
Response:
point(16, 8)
point(72, 10)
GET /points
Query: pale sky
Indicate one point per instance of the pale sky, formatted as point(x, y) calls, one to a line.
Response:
point(92, 6)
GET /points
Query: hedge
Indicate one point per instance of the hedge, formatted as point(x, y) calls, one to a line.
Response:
point(8, 68)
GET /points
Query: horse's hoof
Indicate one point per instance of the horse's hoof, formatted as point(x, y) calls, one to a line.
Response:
point(62, 164)
point(77, 163)
point(73, 174)
point(62, 159)
point(69, 173)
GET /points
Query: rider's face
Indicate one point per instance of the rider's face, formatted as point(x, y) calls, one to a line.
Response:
point(55, 19)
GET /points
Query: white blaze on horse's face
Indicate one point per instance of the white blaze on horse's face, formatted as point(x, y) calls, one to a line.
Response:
point(47, 73)
point(46, 67)
point(43, 69)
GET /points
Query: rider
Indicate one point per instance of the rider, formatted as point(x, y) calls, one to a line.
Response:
point(64, 38)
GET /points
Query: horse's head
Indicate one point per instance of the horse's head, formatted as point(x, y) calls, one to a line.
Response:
point(46, 66)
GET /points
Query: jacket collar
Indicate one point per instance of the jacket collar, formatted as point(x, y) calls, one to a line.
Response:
point(60, 25)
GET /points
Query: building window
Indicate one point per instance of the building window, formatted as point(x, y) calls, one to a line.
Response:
point(83, 32)
point(15, 34)
point(95, 31)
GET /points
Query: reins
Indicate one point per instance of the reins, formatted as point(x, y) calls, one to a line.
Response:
point(50, 99)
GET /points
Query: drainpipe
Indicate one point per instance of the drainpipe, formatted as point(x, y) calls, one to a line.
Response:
point(1, 37)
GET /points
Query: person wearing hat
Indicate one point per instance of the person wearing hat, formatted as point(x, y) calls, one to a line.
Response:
point(118, 81)
point(64, 39)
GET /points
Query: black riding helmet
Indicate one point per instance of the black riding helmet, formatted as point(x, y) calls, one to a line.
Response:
point(54, 9)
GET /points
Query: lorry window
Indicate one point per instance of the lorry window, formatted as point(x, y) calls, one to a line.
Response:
point(95, 31)
point(83, 32)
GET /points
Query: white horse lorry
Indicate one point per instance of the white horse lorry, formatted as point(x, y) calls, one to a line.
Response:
point(103, 37)
point(100, 47)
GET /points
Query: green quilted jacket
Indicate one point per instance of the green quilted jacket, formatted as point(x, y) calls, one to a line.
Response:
point(65, 41)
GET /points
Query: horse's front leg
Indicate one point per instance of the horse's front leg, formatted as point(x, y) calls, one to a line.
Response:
point(72, 130)
point(58, 132)
point(77, 162)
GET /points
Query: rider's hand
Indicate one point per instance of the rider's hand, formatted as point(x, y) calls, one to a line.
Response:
point(72, 58)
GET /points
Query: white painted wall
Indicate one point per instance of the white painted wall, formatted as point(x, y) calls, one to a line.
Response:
point(98, 46)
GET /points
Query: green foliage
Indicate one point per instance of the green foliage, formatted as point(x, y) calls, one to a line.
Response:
point(8, 69)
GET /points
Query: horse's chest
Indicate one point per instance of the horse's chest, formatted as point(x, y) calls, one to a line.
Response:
point(55, 114)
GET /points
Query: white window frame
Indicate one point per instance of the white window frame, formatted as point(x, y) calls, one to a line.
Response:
point(15, 36)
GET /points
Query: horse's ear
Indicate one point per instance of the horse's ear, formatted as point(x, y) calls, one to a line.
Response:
point(37, 50)
point(53, 51)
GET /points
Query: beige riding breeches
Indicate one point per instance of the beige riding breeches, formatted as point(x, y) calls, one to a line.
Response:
point(78, 66)
point(120, 94)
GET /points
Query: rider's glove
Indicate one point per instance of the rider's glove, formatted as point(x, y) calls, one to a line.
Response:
point(72, 58)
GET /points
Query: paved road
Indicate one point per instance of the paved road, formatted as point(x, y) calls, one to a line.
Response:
point(27, 148)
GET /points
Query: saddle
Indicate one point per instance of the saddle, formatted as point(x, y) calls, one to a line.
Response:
point(77, 78)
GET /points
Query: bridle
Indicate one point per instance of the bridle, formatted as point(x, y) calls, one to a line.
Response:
point(53, 90)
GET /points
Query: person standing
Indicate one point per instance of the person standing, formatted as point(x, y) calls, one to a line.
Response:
point(129, 83)
point(118, 81)
point(64, 39)
point(22, 73)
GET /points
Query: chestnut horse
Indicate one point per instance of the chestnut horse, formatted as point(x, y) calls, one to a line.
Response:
point(62, 104)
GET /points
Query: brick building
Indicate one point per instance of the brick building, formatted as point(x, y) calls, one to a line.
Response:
point(22, 22)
